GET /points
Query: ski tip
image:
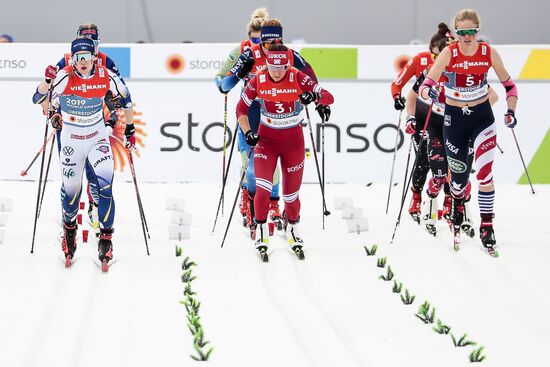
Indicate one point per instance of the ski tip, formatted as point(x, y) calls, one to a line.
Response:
point(104, 266)
point(68, 262)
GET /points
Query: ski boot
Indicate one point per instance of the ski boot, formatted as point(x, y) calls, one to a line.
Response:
point(68, 243)
point(457, 218)
point(414, 207)
point(467, 225)
point(447, 203)
point(275, 217)
point(487, 235)
point(105, 248)
point(262, 243)
point(243, 206)
point(429, 214)
point(295, 240)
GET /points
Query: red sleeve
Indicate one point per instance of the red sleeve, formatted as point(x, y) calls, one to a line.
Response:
point(408, 71)
point(247, 96)
point(309, 85)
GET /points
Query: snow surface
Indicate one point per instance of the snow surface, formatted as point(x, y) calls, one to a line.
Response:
point(329, 310)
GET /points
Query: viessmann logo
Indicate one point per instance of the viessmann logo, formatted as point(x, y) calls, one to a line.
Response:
point(177, 64)
point(85, 87)
point(275, 91)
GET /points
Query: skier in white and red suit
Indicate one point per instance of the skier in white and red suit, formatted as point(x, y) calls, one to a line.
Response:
point(282, 91)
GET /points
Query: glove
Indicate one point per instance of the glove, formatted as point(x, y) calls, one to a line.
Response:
point(110, 123)
point(56, 120)
point(323, 111)
point(50, 73)
point(308, 97)
point(510, 119)
point(114, 103)
point(251, 138)
point(410, 127)
point(399, 102)
point(129, 133)
point(433, 93)
point(245, 68)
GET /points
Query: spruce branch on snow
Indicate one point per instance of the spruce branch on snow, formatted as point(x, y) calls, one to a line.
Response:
point(462, 342)
point(186, 264)
point(381, 262)
point(408, 298)
point(371, 251)
point(187, 276)
point(397, 288)
point(441, 328)
point(424, 313)
point(188, 291)
point(476, 355)
point(179, 251)
point(389, 275)
point(202, 356)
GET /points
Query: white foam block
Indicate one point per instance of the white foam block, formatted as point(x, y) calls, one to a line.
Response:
point(6, 205)
point(352, 213)
point(180, 218)
point(175, 204)
point(342, 202)
point(358, 225)
point(2, 235)
point(3, 219)
point(176, 232)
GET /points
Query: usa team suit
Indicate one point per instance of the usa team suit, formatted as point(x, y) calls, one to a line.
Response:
point(84, 136)
point(280, 133)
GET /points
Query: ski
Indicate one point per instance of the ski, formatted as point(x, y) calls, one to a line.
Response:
point(416, 217)
point(490, 250)
point(468, 230)
point(105, 266)
point(431, 229)
point(299, 252)
point(262, 251)
point(456, 237)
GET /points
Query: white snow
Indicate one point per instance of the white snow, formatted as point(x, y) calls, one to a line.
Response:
point(329, 310)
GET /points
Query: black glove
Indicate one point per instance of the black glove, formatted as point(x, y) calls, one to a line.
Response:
point(251, 138)
point(245, 68)
point(56, 120)
point(399, 102)
point(308, 97)
point(112, 120)
point(510, 119)
point(323, 111)
point(129, 135)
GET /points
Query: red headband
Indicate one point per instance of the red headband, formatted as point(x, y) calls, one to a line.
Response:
point(278, 58)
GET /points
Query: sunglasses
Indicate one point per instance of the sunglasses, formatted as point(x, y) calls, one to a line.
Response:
point(464, 32)
point(86, 56)
point(255, 40)
point(277, 67)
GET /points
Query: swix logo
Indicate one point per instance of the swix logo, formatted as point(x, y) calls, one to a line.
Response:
point(466, 64)
point(275, 91)
point(488, 145)
point(85, 87)
point(295, 168)
point(451, 147)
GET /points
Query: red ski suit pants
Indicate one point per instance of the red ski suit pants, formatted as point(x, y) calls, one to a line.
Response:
point(287, 144)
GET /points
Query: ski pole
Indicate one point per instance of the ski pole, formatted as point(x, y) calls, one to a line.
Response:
point(499, 148)
point(25, 172)
point(224, 143)
point(226, 173)
point(325, 210)
point(236, 197)
point(397, 131)
point(50, 89)
point(323, 161)
point(398, 221)
point(46, 176)
point(140, 206)
point(404, 193)
point(523, 162)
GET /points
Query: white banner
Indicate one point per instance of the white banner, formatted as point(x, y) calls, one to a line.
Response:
point(179, 123)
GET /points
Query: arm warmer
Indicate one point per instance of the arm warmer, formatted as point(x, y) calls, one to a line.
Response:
point(511, 89)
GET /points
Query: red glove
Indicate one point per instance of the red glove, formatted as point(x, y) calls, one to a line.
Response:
point(129, 134)
point(57, 121)
point(410, 127)
point(50, 73)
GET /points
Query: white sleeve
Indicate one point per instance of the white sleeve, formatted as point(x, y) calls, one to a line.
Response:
point(118, 87)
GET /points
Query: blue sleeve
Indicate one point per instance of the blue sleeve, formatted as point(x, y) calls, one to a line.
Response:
point(61, 64)
point(38, 97)
point(301, 64)
point(110, 65)
point(227, 82)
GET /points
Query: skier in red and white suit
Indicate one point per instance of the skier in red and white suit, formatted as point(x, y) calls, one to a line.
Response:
point(282, 91)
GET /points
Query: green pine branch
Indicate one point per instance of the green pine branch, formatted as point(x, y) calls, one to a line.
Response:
point(462, 342)
point(187, 276)
point(476, 355)
point(397, 288)
point(202, 356)
point(188, 291)
point(179, 251)
point(408, 298)
point(425, 314)
point(381, 262)
point(186, 264)
point(389, 275)
point(371, 251)
point(441, 328)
